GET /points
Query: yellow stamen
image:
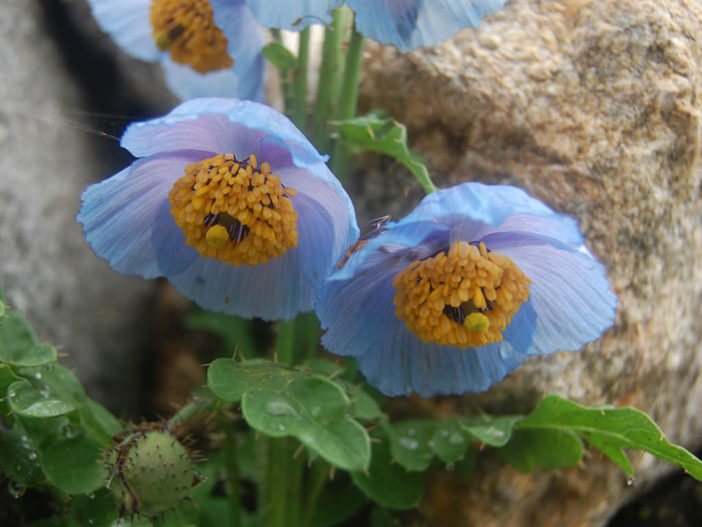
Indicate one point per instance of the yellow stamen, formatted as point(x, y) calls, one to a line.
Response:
point(463, 297)
point(234, 211)
point(187, 29)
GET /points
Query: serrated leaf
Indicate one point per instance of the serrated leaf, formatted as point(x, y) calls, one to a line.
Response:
point(387, 483)
point(74, 465)
point(409, 443)
point(610, 430)
point(493, 431)
point(26, 400)
point(545, 448)
point(281, 401)
point(280, 56)
point(378, 132)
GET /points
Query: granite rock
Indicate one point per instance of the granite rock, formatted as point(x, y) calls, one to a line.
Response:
point(48, 155)
point(593, 107)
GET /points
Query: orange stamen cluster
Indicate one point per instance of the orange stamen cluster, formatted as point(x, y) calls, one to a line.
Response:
point(187, 29)
point(463, 297)
point(234, 211)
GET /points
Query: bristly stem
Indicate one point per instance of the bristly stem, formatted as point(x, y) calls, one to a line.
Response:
point(317, 477)
point(299, 110)
point(349, 101)
point(330, 76)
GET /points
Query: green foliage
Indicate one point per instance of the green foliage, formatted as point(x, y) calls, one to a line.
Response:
point(378, 132)
point(388, 483)
point(280, 56)
point(281, 401)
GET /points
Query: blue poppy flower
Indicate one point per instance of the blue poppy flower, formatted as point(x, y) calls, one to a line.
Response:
point(405, 24)
point(206, 47)
point(230, 202)
point(461, 291)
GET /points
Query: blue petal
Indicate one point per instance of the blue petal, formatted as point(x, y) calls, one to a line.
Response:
point(408, 24)
point(327, 220)
point(569, 294)
point(293, 14)
point(219, 125)
point(406, 365)
point(187, 83)
point(276, 290)
point(127, 22)
point(123, 218)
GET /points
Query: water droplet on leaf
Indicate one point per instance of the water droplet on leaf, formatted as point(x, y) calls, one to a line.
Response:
point(278, 408)
point(408, 443)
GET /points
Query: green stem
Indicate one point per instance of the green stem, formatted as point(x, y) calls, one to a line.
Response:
point(187, 412)
point(278, 509)
point(300, 82)
point(317, 478)
point(329, 85)
point(285, 345)
point(230, 449)
point(349, 101)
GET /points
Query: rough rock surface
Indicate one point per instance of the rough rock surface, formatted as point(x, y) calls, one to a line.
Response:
point(593, 107)
point(75, 301)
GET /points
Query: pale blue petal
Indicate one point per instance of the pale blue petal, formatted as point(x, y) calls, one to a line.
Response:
point(127, 22)
point(294, 15)
point(405, 365)
point(408, 24)
point(186, 83)
point(219, 125)
point(122, 216)
point(276, 290)
point(326, 220)
point(569, 293)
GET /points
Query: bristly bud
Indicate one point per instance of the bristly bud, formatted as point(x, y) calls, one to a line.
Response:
point(151, 469)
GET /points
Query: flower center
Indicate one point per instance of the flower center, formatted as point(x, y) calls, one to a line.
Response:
point(463, 297)
point(234, 211)
point(187, 29)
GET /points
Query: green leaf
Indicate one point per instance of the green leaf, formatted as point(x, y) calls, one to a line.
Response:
point(18, 343)
point(19, 458)
point(387, 483)
point(529, 449)
point(281, 401)
point(364, 406)
point(493, 431)
point(378, 132)
point(449, 442)
point(27, 400)
point(280, 56)
point(409, 443)
point(74, 465)
point(7, 377)
point(610, 430)
point(59, 381)
point(99, 423)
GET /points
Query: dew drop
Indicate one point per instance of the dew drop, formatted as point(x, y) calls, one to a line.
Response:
point(37, 376)
point(456, 439)
point(281, 428)
point(279, 408)
point(443, 432)
point(411, 431)
point(315, 411)
point(32, 456)
point(408, 443)
point(631, 481)
point(15, 489)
